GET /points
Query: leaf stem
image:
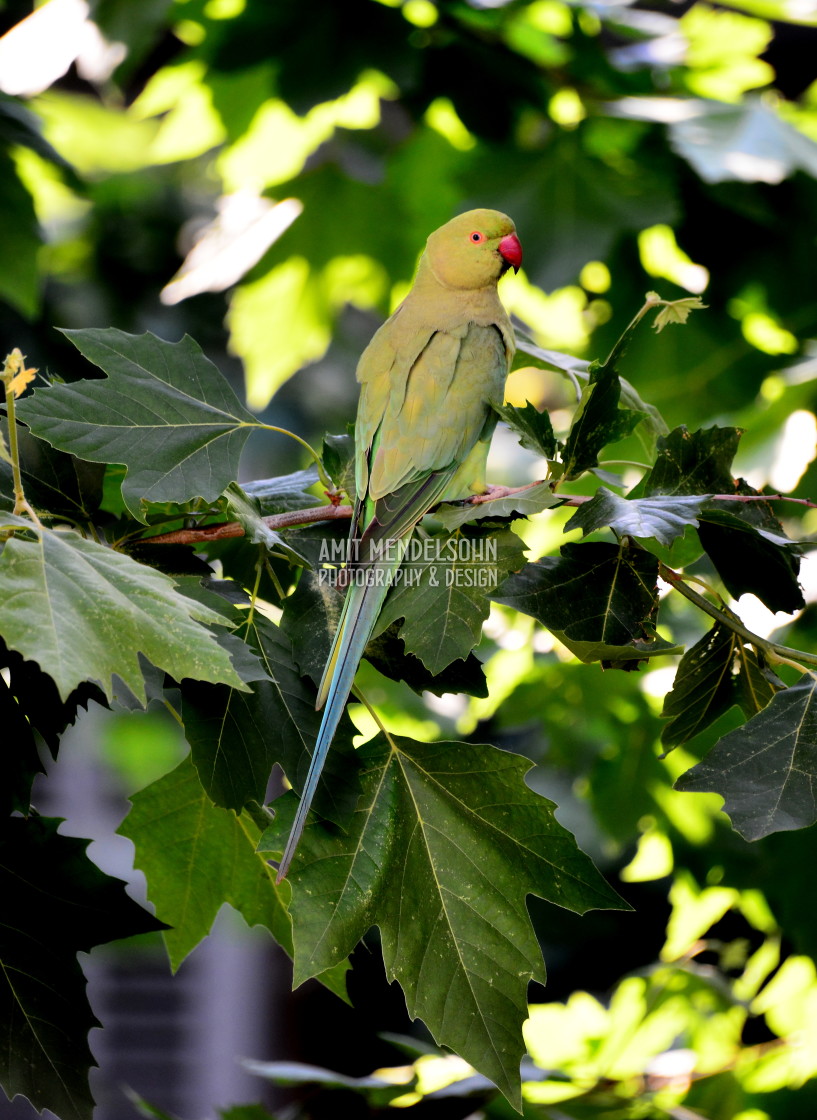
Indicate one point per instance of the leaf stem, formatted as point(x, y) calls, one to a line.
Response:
point(326, 481)
point(624, 339)
point(359, 696)
point(13, 366)
point(773, 651)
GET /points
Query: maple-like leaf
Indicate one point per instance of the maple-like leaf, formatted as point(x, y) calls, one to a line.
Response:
point(60, 593)
point(164, 411)
point(445, 846)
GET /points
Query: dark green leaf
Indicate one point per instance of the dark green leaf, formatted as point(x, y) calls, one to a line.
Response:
point(766, 770)
point(600, 600)
point(338, 455)
point(237, 737)
point(164, 411)
point(744, 540)
point(387, 653)
point(598, 421)
point(443, 595)
point(446, 844)
point(196, 857)
point(533, 427)
point(279, 495)
point(21, 241)
point(62, 593)
point(19, 759)
point(38, 700)
point(661, 518)
point(56, 903)
point(376, 1090)
point(750, 559)
point(53, 482)
point(310, 619)
point(717, 672)
point(692, 463)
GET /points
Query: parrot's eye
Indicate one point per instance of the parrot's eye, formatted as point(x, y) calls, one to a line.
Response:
point(476, 237)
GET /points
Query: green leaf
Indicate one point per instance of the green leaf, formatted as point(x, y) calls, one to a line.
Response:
point(20, 764)
point(56, 903)
point(237, 737)
point(750, 558)
point(164, 411)
point(533, 427)
point(20, 246)
point(280, 495)
point(524, 503)
point(677, 311)
point(54, 482)
point(377, 1090)
point(718, 672)
point(692, 463)
point(766, 770)
point(529, 354)
point(597, 421)
point(443, 596)
point(62, 593)
point(744, 540)
point(244, 510)
point(576, 369)
point(661, 518)
point(338, 455)
point(447, 843)
point(29, 702)
point(600, 600)
point(310, 618)
point(387, 653)
point(196, 857)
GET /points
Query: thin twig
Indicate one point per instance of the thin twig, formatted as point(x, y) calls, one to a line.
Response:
point(772, 649)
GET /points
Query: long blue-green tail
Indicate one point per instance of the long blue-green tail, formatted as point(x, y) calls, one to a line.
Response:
point(360, 611)
point(390, 523)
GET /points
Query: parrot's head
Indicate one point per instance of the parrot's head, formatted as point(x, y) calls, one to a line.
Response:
point(474, 249)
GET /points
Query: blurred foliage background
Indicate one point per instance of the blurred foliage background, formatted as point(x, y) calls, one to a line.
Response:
point(263, 175)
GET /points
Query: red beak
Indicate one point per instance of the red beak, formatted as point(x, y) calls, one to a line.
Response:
point(511, 251)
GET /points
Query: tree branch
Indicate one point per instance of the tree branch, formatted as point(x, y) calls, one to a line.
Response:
point(331, 512)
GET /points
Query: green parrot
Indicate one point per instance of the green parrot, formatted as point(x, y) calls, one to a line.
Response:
point(424, 423)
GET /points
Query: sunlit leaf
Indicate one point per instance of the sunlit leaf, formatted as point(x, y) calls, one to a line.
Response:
point(61, 593)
